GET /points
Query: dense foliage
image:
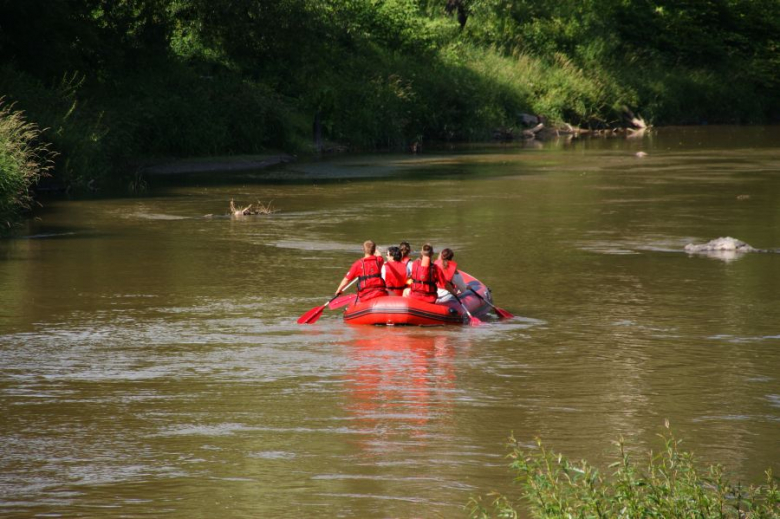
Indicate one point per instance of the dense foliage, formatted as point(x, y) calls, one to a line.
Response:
point(114, 80)
point(668, 484)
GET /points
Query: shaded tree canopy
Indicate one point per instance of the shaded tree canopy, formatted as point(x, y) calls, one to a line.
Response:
point(121, 78)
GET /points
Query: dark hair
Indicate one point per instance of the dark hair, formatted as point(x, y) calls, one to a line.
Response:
point(427, 250)
point(405, 248)
point(394, 253)
point(447, 254)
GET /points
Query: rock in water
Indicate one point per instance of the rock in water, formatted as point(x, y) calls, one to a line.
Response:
point(726, 244)
point(727, 249)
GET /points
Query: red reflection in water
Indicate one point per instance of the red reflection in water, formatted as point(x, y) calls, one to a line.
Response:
point(400, 386)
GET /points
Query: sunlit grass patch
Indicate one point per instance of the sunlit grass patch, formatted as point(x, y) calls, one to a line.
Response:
point(666, 484)
point(23, 160)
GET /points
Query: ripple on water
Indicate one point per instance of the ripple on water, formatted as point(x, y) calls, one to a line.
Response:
point(313, 245)
point(154, 216)
point(273, 455)
point(739, 340)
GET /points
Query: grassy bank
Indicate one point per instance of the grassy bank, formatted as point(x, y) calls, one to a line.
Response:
point(665, 484)
point(115, 81)
point(23, 160)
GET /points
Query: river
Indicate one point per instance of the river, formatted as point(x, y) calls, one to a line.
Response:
point(152, 364)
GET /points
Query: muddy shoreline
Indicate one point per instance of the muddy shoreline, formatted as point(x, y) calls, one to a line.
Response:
point(216, 164)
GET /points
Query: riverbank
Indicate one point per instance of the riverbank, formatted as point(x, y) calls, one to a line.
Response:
point(215, 164)
point(393, 75)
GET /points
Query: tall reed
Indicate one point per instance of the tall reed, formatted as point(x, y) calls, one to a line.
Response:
point(24, 159)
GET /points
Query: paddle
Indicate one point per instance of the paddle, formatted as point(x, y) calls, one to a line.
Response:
point(342, 300)
point(503, 314)
point(312, 315)
point(473, 321)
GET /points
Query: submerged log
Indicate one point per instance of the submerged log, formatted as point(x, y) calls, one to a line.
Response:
point(252, 209)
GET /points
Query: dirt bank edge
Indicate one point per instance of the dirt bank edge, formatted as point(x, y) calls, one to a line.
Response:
point(216, 164)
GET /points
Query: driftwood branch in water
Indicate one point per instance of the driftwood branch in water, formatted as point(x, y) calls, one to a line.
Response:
point(252, 209)
point(633, 127)
point(531, 133)
point(634, 122)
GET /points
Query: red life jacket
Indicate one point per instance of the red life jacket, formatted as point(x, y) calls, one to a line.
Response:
point(395, 276)
point(423, 278)
point(449, 272)
point(371, 278)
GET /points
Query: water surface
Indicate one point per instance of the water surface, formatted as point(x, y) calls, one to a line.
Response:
point(151, 363)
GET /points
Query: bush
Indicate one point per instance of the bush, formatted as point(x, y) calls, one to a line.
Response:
point(23, 160)
point(78, 130)
point(668, 485)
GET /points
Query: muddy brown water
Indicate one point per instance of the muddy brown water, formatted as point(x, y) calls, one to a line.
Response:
point(150, 363)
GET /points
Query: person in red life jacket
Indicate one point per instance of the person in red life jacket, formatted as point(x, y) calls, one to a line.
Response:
point(368, 270)
point(394, 272)
point(405, 249)
point(451, 274)
point(426, 277)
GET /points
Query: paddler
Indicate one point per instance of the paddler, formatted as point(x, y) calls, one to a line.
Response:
point(450, 270)
point(406, 249)
point(426, 277)
point(394, 272)
point(368, 270)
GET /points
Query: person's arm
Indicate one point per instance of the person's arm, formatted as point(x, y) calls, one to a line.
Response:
point(443, 280)
point(450, 288)
point(344, 282)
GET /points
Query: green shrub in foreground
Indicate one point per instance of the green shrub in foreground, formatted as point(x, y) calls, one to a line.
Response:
point(22, 162)
point(667, 485)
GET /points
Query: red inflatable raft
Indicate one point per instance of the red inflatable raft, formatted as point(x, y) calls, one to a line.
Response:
point(392, 310)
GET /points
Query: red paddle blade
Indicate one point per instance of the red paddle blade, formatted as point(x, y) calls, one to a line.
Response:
point(473, 321)
point(340, 301)
point(503, 314)
point(312, 315)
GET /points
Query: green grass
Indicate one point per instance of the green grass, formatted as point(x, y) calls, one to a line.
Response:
point(23, 160)
point(666, 484)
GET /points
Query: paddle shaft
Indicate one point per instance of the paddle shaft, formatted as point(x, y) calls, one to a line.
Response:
point(339, 293)
point(312, 315)
point(501, 312)
point(343, 289)
point(472, 320)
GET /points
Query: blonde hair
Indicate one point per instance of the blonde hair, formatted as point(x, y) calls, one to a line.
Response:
point(369, 247)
